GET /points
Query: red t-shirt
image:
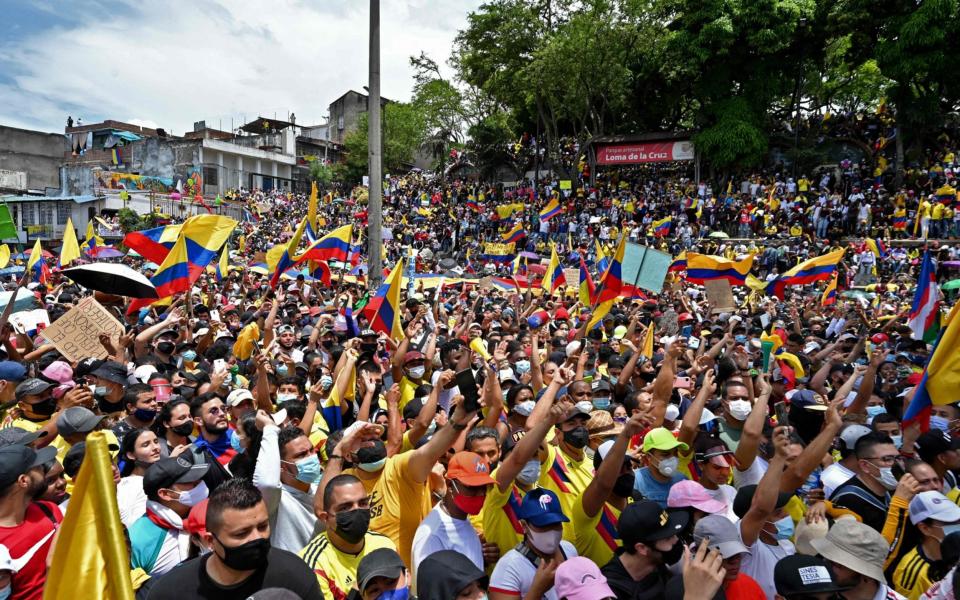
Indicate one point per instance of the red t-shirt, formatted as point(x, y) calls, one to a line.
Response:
point(34, 536)
point(744, 588)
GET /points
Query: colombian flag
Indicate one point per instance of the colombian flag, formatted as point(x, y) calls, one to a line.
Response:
point(679, 263)
point(383, 310)
point(662, 227)
point(925, 310)
point(93, 240)
point(941, 376)
point(551, 210)
point(312, 229)
point(36, 264)
point(602, 261)
point(587, 288)
point(877, 247)
point(152, 244)
point(70, 250)
point(287, 257)
point(704, 267)
point(223, 265)
point(830, 294)
point(815, 269)
point(900, 219)
point(514, 235)
point(496, 252)
point(554, 276)
point(946, 194)
point(472, 204)
point(611, 286)
point(333, 246)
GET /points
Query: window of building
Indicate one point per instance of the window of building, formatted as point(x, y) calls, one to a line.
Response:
point(340, 122)
point(47, 213)
point(211, 176)
point(28, 215)
point(63, 212)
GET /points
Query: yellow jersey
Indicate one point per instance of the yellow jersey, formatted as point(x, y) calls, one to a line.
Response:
point(498, 519)
point(911, 575)
point(567, 478)
point(595, 537)
point(336, 571)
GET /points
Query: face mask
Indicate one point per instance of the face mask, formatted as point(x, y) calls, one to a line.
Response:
point(184, 429)
point(195, 496)
point(326, 382)
point(947, 530)
point(577, 438)
point(308, 469)
point(886, 478)
point(352, 525)
point(327, 344)
point(281, 398)
point(614, 380)
point(372, 467)
point(740, 339)
point(246, 557)
point(589, 372)
point(100, 391)
point(784, 528)
point(668, 466)
point(938, 422)
point(44, 408)
point(401, 594)
point(5, 592)
point(166, 347)
point(189, 356)
point(522, 367)
point(673, 555)
point(546, 542)
point(739, 409)
point(235, 444)
point(601, 403)
point(530, 473)
point(416, 372)
point(873, 411)
point(468, 504)
point(282, 371)
point(623, 487)
point(145, 415)
point(897, 440)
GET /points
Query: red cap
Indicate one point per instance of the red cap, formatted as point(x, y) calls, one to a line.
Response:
point(412, 356)
point(196, 521)
point(315, 310)
point(469, 468)
point(879, 338)
point(914, 378)
point(228, 308)
point(685, 317)
point(561, 313)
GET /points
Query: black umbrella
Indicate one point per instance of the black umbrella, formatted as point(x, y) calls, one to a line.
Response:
point(113, 278)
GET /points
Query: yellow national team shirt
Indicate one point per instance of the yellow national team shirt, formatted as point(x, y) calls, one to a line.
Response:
point(398, 503)
point(567, 478)
point(595, 537)
point(336, 571)
point(911, 578)
point(407, 389)
point(498, 518)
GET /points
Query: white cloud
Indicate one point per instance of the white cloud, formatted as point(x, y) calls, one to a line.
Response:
point(179, 61)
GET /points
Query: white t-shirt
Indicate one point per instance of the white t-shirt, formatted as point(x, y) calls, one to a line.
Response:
point(514, 573)
point(439, 531)
point(760, 561)
point(725, 493)
point(752, 475)
point(131, 499)
point(833, 477)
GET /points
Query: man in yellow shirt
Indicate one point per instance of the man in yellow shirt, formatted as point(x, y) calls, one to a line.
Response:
point(335, 554)
point(936, 517)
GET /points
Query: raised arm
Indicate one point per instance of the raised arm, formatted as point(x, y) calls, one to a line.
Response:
point(424, 457)
point(753, 427)
point(797, 473)
point(691, 419)
point(765, 497)
point(602, 484)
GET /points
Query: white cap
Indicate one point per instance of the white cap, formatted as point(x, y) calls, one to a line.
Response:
point(235, 397)
point(811, 347)
point(572, 347)
point(673, 412)
point(506, 375)
point(933, 505)
point(143, 373)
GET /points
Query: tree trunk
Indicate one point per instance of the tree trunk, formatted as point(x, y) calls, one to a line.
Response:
point(898, 180)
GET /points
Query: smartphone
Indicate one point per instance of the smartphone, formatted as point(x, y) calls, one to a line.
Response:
point(693, 343)
point(467, 384)
point(781, 410)
point(219, 365)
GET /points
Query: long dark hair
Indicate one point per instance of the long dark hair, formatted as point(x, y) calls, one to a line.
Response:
point(243, 465)
point(166, 413)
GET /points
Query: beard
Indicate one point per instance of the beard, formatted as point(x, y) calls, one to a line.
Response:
point(215, 429)
point(37, 489)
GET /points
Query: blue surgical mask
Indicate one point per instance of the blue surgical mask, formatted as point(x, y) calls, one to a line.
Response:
point(601, 403)
point(5, 592)
point(740, 339)
point(614, 380)
point(308, 469)
point(282, 371)
point(372, 467)
point(947, 530)
point(938, 422)
point(784, 528)
point(530, 472)
point(189, 356)
point(235, 444)
point(897, 440)
point(326, 382)
point(281, 398)
point(522, 367)
point(873, 411)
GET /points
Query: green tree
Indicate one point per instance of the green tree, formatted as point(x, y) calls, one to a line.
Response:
point(320, 172)
point(403, 132)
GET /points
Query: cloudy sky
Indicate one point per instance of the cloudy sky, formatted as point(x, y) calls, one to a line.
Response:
point(169, 63)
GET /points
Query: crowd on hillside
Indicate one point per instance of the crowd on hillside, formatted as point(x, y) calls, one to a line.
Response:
point(281, 443)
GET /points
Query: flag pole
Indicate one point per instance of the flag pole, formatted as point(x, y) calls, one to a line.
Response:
point(8, 309)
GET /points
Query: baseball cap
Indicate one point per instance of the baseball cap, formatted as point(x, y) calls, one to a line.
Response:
point(169, 331)
point(661, 438)
point(604, 449)
point(799, 574)
point(808, 399)
point(687, 493)
point(285, 329)
point(723, 535)
point(235, 397)
point(58, 371)
point(16, 459)
point(87, 366)
point(645, 521)
point(368, 333)
point(934, 442)
point(933, 505)
point(619, 332)
point(168, 471)
point(672, 413)
point(382, 562)
point(852, 433)
point(741, 502)
point(17, 435)
point(78, 419)
point(412, 408)
point(412, 356)
point(856, 546)
point(601, 385)
point(541, 508)
point(712, 449)
point(32, 387)
point(580, 409)
point(12, 371)
point(111, 370)
point(469, 468)
point(579, 578)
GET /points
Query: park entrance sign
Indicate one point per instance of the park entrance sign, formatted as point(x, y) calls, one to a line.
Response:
point(644, 152)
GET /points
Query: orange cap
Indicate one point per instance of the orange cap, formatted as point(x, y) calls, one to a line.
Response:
point(470, 469)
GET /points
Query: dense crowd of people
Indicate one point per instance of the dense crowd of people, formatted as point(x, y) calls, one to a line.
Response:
point(500, 448)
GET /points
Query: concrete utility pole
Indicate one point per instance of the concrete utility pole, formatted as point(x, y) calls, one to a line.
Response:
point(375, 197)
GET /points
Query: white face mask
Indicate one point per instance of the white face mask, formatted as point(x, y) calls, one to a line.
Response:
point(739, 409)
point(668, 466)
point(546, 542)
point(886, 478)
point(195, 496)
point(417, 372)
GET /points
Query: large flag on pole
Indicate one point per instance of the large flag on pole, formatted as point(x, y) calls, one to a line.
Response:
point(925, 311)
point(70, 250)
point(611, 286)
point(36, 265)
point(288, 257)
point(554, 277)
point(312, 230)
point(941, 376)
point(90, 558)
point(383, 310)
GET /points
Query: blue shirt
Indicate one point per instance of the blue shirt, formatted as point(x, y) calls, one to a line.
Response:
point(651, 489)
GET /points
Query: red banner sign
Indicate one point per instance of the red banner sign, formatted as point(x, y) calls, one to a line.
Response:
point(648, 152)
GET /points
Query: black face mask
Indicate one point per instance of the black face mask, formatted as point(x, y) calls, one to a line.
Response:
point(371, 348)
point(108, 407)
point(352, 525)
point(673, 555)
point(184, 429)
point(623, 487)
point(186, 392)
point(327, 344)
point(577, 437)
point(45, 408)
point(647, 377)
point(245, 557)
point(166, 347)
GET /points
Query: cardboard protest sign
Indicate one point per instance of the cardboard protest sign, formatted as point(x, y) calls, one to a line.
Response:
point(77, 333)
point(720, 295)
point(30, 321)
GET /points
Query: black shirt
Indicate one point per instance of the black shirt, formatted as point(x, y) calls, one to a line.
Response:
point(857, 497)
point(283, 569)
point(625, 587)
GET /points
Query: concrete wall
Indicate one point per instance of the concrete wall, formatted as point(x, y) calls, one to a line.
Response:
point(36, 153)
point(164, 158)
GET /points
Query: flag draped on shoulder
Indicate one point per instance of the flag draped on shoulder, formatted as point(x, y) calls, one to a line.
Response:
point(941, 376)
point(383, 310)
point(91, 554)
point(553, 277)
point(925, 310)
point(70, 250)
